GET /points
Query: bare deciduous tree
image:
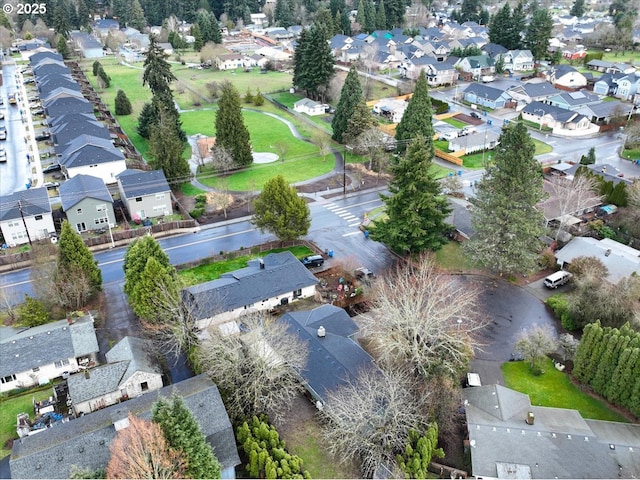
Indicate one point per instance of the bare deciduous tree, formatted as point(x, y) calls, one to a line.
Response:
point(141, 451)
point(322, 141)
point(221, 159)
point(43, 268)
point(425, 319)
point(535, 343)
point(9, 300)
point(255, 368)
point(633, 194)
point(376, 145)
point(370, 419)
point(588, 270)
point(207, 55)
point(569, 196)
point(569, 344)
point(282, 148)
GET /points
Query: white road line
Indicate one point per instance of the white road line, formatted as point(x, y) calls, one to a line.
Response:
point(345, 214)
point(332, 206)
point(354, 224)
point(350, 234)
point(350, 219)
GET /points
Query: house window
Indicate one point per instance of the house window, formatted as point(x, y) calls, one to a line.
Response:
point(18, 235)
point(61, 363)
point(8, 379)
point(159, 196)
point(138, 199)
point(248, 306)
point(81, 227)
point(38, 217)
point(79, 211)
point(159, 208)
point(98, 221)
point(36, 369)
point(144, 386)
point(297, 293)
point(101, 208)
point(13, 224)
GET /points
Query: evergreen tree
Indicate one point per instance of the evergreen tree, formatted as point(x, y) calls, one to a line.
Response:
point(279, 210)
point(166, 107)
point(4, 21)
point(499, 25)
point(516, 28)
point(198, 42)
point(136, 257)
point(156, 282)
point(381, 16)
point(577, 9)
point(135, 16)
point(231, 132)
point(313, 62)
point(539, 33)
point(104, 78)
point(417, 118)
point(96, 66)
point(74, 255)
point(505, 220)
point(420, 449)
point(345, 23)
point(157, 71)
point(61, 18)
point(395, 10)
point(282, 14)
point(591, 336)
point(360, 15)
point(590, 158)
point(416, 208)
point(258, 99)
point(32, 312)
point(350, 96)
point(166, 150)
point(619, 378)
point(122, 104)
point(62, 47)
point(147, 118)
point(369, 16)
point(183, 433)
point(359, 122)
point(499, 66)
point(84, 15)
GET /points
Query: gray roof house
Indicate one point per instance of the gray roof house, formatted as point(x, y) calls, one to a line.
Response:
point(25, 216)
point(93, 156)
point(555, 443)
point(308, 106)
point(335, 358)
point(531, 92)
point(265, 283)
point(85, 441)
point(36, 355)
point(486, 96)
point(567, 76)
point(557, 118)
point(60, 106)
point(88, 45)
point(87, 203)
point(621, 260)
point(69, 127)
point(145, 194)
point(131, 370)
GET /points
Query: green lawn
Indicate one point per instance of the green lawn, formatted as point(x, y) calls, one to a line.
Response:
point(631, 154)
point(450, 257)
point(456, 123)
point(541, 147)
point(211, 271)
point(10, 408)
point(477, 160)
point(190, 191)
point(554, 389)
point(286, 98)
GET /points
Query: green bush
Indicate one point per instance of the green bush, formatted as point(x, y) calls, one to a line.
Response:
point(439, 106)
point(196, 212)
point(201, 200)
point(560, 306)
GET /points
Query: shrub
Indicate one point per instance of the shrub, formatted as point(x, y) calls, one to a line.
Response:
point(547, 259)
point(560, 306)
point(196, 212)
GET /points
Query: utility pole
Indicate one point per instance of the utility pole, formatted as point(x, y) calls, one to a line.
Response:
point(24, 222)
point(344, 170)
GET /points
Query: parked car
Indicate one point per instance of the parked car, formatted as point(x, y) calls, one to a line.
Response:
point(42, 136)
point(1, 115)
point(3, 155)
point(3, 132)
point(363, 273)
point(448, 136)
point(468, 130)
point(50, 185)
point(54, 167)
point(557, 279)
point(313, 261)
point(475, 115)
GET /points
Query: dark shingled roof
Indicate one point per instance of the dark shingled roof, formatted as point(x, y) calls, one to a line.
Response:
point(85, 441)
point(80, 187)
point(64, 134)
point(38, 57)
point(60, 106)
point(46, 344)
point(33, 201)
point(282, 273)
point(484, 91)
point(138, 183)
point(334, 360)
point(88, 150)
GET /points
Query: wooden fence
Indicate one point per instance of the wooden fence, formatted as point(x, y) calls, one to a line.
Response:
point(448, 157)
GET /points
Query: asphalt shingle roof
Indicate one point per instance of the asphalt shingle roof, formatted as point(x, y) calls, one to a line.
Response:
point(33, 201)
point(96, 382)
point(282, 273)
point(88, 150)
point(138, 183)
point(80, 187)
point(137, 352)
point(60, 106)
point(484, 91)
point(46, 344)
point(85, 441)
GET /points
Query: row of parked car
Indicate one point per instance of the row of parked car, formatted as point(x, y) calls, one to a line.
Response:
point(468, 130)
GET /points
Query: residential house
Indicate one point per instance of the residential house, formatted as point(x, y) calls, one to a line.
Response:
point(620, 85)
point(66, 128)
point(85, 441)
point(277, 279)
point(604, 112)
point(477, 65)
point(145, 194)
point(259, 19)
point(493, 49)
point(554, 207)
point(36, 355)
point(229, 61)
point(88, 45)
point(621, 260)
point(607, 172)
point(476, 142)
point(606, 84)
point(45, 54)
point(437, 73)
point(392, 108)
point(103, 26)
point(93, 156)
point(518, 60)
point(335, 359)
point(526, 93)
point(510, 438)
point(566, 77)
point(50, 67)
point(577, 52)
point(132, 369)
point(87, 203)
point(167, 48)
point(486, 96)
point(308, 106)
point(47, 83)
point(60, 106)
point(573, 100)
point(25, 216)
point(557, 118)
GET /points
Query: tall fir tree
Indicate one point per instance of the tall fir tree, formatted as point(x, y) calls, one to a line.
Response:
point(361, 19)
point(499, 24)
point(135, 260)
point(122, 104)
point(183, 433)
point(416, 208)
point(198, 43)
point(350, 96)
point(369, 16)
point(577, 9)
point(538, 33)
point(283, 14)
point(157, 71)
point(359, 122)
point(516, 27)
point(417, 118)
point(507, 225)
point(63, 48)
point(156, 284)
point(135, 16)
point(165, 148)
point(231, 132)
point(313, 62)
point(381, 16)
point(74, 256)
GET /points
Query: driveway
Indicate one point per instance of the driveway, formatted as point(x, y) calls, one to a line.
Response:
point(510, 310)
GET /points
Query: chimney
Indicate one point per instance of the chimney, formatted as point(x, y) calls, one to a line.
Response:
point(87, 375)
point(261, 264)
point(321, 331)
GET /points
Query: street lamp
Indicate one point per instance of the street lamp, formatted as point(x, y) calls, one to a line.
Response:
point(541, 117)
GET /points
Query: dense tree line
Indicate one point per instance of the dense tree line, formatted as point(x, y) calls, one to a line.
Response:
point(608, 359)
point(508, 26)
point(313, 62)
point(471, 11)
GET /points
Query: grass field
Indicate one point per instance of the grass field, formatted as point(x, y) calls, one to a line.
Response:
point(456, 123)
point(554, 389)
point(211, 271)
point(10, 408)
point(450, 257)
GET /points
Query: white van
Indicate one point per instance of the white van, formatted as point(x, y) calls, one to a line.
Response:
point(556, 279)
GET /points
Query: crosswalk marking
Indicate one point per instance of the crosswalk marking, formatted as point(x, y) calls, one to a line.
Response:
point(343, 212)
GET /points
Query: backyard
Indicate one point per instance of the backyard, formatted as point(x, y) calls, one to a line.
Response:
point(554, 389)
point(10, 408)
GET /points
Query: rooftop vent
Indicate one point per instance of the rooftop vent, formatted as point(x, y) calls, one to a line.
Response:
point(321, 331)
point(607, 252)
point(261, 264)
